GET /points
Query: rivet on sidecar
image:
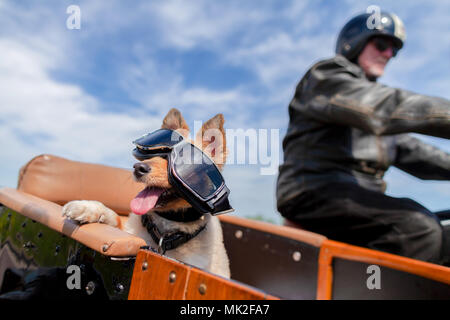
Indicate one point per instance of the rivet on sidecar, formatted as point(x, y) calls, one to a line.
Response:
point(172, 277)
point(90, 287)
point(202, 289)
point(296, 256)
point(120, 288)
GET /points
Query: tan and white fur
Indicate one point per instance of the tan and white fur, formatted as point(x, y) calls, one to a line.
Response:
point(206, 250)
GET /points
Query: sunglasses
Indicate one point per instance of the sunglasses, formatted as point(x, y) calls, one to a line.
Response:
point(191, 171)
point(383, 44)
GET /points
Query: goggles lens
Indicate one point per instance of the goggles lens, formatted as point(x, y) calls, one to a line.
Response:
point(196, 170)
point(382, 44)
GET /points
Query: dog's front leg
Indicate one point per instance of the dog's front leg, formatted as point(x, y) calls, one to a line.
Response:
point(89, 211)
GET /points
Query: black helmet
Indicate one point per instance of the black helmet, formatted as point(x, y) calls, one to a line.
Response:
point(355, 34)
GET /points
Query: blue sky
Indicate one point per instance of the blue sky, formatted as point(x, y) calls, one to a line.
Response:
point(86, 94)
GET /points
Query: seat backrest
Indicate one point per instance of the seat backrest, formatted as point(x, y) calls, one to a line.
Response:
point(60, 180)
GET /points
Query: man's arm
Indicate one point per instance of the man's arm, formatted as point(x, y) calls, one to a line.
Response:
point(334, 93)
point(421, 159)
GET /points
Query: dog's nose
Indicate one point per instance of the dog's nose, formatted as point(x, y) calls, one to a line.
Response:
point(141, 169)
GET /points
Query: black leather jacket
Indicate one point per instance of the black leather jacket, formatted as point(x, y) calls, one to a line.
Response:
point(345, 128)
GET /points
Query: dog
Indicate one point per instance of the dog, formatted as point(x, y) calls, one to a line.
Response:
point(205, 249)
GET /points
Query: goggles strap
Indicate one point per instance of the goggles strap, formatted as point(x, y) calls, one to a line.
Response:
point(170, 239)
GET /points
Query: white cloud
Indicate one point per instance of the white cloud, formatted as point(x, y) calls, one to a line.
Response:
point(203, 24)
point(41, 115)
point(158, 87)
point(282, 56)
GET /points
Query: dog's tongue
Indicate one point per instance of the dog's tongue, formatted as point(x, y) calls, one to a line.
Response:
point(145, 200)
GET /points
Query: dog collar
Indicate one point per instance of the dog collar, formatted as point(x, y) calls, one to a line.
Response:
point(187, 215)
point(170, 239)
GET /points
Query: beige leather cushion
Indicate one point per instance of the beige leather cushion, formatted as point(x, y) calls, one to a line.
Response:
point(60, 180)
point(108, 240)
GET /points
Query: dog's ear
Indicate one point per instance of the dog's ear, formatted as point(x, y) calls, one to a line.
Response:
point(212, 139)
point(175, 121)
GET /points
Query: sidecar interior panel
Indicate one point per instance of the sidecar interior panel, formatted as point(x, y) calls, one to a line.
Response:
point(282, 261)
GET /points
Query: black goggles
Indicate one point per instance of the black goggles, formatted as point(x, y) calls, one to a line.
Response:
point(384, 43)
point(191, 171)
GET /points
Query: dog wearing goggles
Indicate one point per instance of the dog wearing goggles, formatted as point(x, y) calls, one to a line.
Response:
point(183, 190)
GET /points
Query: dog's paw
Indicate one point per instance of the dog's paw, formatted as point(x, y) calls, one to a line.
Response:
point(87, 211)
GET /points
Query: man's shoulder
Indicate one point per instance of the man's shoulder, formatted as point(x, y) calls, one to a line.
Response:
point(337, 64)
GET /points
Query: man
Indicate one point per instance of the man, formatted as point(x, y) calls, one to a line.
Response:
point(345, 131)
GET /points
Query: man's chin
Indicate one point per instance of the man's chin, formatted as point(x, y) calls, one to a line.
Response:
point(375, 72)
